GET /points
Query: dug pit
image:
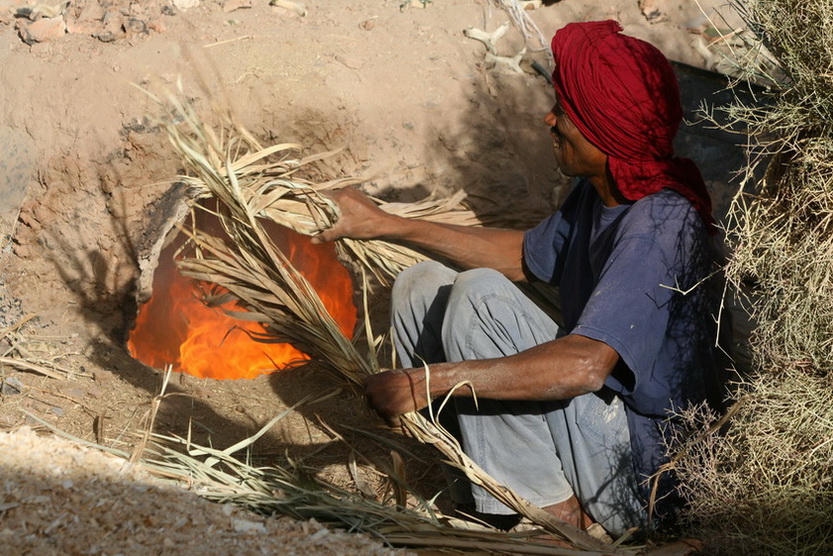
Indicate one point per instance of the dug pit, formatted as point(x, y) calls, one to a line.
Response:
point(194, 328)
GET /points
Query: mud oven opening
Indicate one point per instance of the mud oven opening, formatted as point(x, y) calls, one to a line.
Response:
point(175, 326)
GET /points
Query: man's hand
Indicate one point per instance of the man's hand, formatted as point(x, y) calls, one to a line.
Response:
point(467, 246)
point(393, 393)
point(360, 217)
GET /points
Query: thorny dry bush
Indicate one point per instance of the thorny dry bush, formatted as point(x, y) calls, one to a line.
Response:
point(766, 485)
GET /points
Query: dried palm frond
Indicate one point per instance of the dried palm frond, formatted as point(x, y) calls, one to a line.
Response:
point(267, 182)
point(229, 165)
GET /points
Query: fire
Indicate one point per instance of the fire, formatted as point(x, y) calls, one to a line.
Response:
point(175, 327)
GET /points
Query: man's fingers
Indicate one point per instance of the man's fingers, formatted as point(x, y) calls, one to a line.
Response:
point(393, 393)
point(320, 237)
point(394, 422)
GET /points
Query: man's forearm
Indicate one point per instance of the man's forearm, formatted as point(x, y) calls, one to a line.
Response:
point(556, 370)
point(468, 247)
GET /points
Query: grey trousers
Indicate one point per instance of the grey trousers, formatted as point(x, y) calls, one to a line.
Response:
point(546, 451)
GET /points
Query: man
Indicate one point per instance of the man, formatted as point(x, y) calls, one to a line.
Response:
point(571, 417)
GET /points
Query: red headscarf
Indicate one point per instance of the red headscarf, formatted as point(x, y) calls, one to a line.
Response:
point(622, 94)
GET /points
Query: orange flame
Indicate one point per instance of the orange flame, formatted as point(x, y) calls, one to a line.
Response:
point(175, 327)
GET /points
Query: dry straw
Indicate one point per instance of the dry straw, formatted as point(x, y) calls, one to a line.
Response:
point(766, 486)
point(252, 184)
point(29, 354)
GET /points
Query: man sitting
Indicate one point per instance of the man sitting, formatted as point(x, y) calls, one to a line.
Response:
point(572, 418)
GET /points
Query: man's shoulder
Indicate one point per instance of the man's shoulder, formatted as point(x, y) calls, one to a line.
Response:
point(665, 210)
point(665, 199)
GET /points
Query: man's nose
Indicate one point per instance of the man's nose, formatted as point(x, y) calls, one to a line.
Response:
point(550, 119)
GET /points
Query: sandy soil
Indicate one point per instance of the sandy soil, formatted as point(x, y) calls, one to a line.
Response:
point(69, 500)
point(411, 100)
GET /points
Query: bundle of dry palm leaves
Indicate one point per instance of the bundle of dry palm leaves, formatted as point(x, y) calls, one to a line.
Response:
point(766, 486)
point(253, 184)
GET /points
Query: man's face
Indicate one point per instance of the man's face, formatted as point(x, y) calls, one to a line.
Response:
point(575, 155)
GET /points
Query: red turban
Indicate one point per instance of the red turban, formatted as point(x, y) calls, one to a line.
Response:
point(622, 94)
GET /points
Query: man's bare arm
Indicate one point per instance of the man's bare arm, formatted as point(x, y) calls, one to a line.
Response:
point(468, 247)
point(556, 370)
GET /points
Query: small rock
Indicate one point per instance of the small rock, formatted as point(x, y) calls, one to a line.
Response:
point(319, 535)
point(652, 10)
point(42, 30)
point(31, 421)
point(289, 6)
point(78, 27)
point(156, 24)
point(246, 526)
point(103, 376)
point(367, 24)
point(186, 4)
point(135, 26)
point(113, 28)
point(11, 386)
point(6, 15)
point(38, 11)
point(95, 392)
point(88, 21)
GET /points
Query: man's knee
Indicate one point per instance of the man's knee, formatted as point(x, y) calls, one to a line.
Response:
point(472, 288)
point(421, 280)
point(479, 281)
point(416, 288)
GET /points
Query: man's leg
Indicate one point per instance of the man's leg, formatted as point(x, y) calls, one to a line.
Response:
point(418, 303)
point(591, 436)
point(487, 316)
point(516, 442)
point(554, 454)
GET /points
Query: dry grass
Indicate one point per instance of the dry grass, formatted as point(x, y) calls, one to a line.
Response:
point(19, 350)
point(766, 487)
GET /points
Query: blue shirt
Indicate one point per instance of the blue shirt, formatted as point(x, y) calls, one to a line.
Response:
point(638, 278)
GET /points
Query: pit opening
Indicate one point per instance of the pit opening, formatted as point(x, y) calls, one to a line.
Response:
point(175, 326)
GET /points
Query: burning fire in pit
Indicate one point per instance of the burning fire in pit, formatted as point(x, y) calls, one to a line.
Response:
point(175, 327)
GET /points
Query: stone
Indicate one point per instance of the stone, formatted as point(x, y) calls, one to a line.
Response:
point(186, 4)
point(113, 28)
point(653, 10)
point(11, 386)
point(42, 30)
point(134, 26)
point(88, 21)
